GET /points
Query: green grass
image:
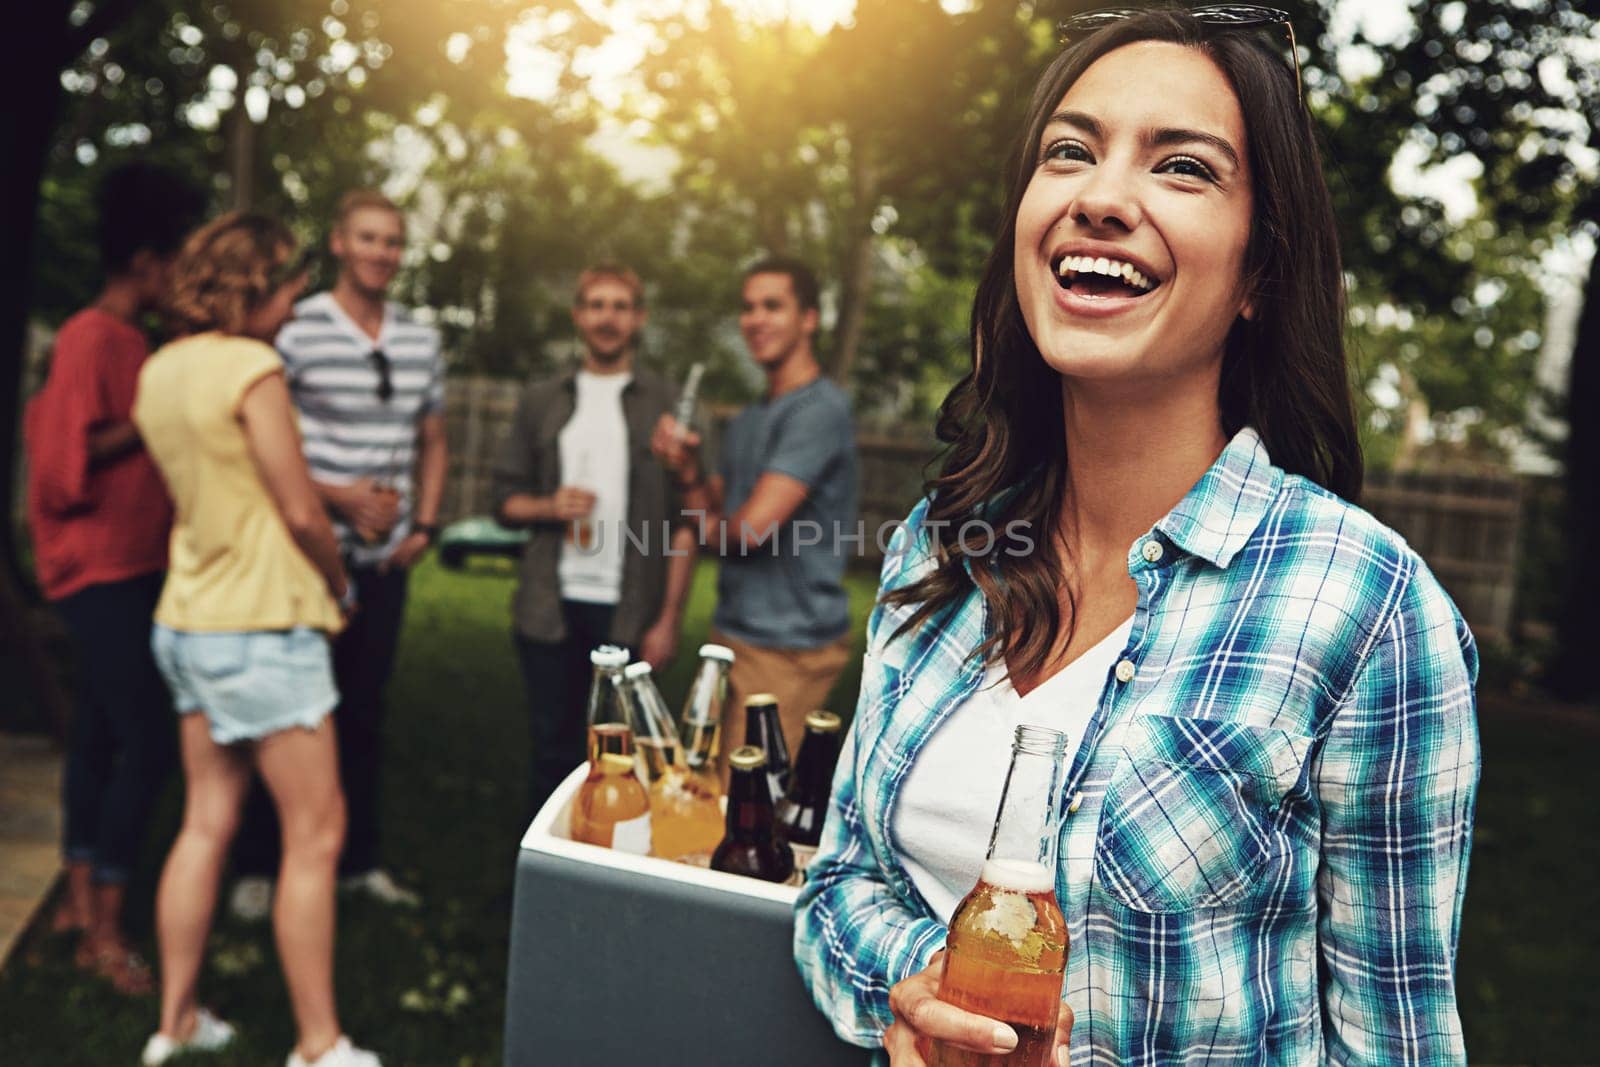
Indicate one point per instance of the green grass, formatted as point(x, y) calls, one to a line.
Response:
point(428, 987)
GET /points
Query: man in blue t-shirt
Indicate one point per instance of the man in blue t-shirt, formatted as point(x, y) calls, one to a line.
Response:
point(781, 511)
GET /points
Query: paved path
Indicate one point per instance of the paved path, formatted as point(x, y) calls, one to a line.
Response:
point(30, 831)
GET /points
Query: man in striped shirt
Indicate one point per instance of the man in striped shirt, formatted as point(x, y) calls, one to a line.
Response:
point(368, 380)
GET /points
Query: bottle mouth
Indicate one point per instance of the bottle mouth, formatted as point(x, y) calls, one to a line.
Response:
point(609, 656)
point(1040, 741)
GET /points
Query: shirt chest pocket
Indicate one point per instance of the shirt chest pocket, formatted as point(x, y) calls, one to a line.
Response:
point(1191, 813)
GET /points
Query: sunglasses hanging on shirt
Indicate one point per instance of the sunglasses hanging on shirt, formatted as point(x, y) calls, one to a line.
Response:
point(385, 383)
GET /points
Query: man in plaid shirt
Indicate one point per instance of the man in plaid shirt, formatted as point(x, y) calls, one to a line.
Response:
point(1264, 848)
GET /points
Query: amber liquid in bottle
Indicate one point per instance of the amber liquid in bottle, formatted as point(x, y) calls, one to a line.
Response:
point(1006, 950)
point(612, 809)
point(685, 817)
point(1005, 957)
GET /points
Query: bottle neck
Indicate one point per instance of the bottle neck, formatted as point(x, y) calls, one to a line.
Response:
point(749, 806)
point(1027, 828)
point(606, 698)
point(655, 721)
point(763, 730)
point(703, 714)
point(813, 770)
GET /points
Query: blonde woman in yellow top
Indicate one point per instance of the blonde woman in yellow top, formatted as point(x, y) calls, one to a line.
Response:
point(254, 588)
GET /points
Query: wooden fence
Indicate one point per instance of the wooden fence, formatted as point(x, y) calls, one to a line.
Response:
point(1467, 526)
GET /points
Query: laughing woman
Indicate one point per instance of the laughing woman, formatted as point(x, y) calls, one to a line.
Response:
point(1269, 796)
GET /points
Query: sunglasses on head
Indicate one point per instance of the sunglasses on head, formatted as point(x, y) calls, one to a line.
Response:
point(385, 383)
point(1221, 16)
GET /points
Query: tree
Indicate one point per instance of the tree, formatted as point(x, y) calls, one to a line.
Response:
point(1516, 87)
point(894, 125)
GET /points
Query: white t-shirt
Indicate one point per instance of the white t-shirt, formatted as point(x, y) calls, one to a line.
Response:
point(947, 805)
point(594, 456)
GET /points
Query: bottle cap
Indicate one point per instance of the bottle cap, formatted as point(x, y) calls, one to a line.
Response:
point(635, 670)
point(609, 656)
point(823, 722)
point(760, 700)
point(720, 653)
point(747, 758)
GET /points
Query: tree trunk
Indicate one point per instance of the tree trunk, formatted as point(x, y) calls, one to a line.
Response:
point(32, 75)
point(241, 149)
point(1573, 675)
point(31, 83)
point(855, 281)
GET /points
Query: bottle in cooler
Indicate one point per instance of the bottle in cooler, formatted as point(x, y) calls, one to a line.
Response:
point(1006, 950)
point(764, 730)
point(612, 808)
point(685, 818)
point(801, 811)
point(700, 725)
point(752, 846)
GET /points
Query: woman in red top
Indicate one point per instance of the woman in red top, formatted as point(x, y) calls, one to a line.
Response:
point(99, 516)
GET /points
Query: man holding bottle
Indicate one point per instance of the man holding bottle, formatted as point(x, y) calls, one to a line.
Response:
point(609, 557)
point(367, 378)
point(784, 493)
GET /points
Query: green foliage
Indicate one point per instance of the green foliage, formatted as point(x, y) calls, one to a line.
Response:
point(877, 150)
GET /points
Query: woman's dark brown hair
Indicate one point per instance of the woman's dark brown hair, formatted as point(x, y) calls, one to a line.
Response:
point(227, 269)
point(1284, 373)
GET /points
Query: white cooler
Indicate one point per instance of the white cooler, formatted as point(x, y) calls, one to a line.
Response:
point(620, 959)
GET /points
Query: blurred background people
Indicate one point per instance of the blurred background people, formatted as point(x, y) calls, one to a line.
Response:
point(367, 380)
point(254, 591)
point(99, 516)
point(785, 491)
point(576, 461)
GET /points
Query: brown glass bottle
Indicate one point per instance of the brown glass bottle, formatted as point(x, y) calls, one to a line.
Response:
point(803, 808)
point(763, 729)
point(752, 846)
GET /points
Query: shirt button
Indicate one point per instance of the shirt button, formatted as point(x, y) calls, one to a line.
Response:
point(1125, 671)
point(1152, 551)
point(1077, 802)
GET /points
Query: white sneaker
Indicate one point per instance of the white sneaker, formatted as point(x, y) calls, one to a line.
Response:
point(211, 1034)
point(251, 899)
point(342, 1054)
point(379, 885)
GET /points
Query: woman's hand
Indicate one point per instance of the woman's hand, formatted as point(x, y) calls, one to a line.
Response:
point(921, 1018)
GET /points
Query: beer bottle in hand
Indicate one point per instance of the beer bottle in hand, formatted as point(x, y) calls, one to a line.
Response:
point(801, 811)
point(685, 819)
point(700, 725)
point(612, 808)
point(1006, 951)
point(763, 730)
point(752, 847)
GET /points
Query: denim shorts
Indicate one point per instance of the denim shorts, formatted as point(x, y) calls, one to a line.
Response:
point(248, 685)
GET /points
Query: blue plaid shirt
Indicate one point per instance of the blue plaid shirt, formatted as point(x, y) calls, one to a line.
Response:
point(1265, 834)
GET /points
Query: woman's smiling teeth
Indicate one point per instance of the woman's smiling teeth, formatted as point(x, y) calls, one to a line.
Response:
point(1073, 269)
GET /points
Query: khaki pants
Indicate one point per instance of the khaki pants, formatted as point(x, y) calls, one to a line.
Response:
point(799, 677)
